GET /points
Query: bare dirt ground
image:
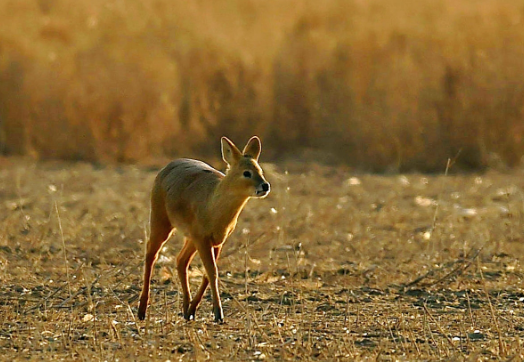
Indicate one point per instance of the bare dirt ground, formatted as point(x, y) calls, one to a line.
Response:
point(333, 265)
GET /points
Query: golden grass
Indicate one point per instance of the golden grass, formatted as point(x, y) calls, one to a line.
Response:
point(331, 266)
point(373, 84)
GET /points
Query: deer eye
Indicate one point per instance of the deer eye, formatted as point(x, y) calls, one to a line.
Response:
point(247, 174)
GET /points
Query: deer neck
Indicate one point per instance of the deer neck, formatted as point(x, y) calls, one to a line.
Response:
point(226, 207)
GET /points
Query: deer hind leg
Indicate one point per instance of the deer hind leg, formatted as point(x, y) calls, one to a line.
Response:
point(207, 254)
point(182, 264)
point(205, 282)
point(160, 230)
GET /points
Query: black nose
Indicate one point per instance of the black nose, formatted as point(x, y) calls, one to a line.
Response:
point(265, 186)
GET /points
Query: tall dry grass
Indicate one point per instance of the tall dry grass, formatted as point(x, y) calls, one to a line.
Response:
point(377, 85)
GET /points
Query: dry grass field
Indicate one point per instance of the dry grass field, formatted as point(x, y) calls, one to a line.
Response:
point(332, 265)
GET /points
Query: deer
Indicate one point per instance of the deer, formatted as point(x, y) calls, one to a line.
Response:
point(204, 204)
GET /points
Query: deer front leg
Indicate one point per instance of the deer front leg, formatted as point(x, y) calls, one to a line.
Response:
point(195, 302)
point(207, 255)
point(182, 264)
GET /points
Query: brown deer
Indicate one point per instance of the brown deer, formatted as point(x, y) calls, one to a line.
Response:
point(204, 204)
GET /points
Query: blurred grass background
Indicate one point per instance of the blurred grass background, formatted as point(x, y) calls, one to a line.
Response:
point(376, 85)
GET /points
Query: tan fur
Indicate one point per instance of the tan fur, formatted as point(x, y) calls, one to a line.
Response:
point(204, 204)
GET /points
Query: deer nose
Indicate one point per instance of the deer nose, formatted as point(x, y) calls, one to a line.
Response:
point(265, 186)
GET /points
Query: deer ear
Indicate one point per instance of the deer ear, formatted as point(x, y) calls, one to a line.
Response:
point(253, 148)
point(230, 153)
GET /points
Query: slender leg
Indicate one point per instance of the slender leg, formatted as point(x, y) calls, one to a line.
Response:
point(208, 259)
point(205, 282)
point(182, 263)
point(160, 230)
